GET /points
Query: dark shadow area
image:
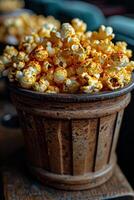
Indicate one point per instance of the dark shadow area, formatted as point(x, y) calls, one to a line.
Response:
point(125, 148)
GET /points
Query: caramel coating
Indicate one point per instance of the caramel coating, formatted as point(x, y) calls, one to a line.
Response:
point(68, 60)
point(14, 28)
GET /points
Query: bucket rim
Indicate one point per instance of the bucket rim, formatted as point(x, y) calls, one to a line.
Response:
point(66, 97)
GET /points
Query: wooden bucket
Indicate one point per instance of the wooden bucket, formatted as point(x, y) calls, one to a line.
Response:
point(71, 138)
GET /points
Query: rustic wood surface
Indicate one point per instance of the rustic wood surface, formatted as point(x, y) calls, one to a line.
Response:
point(20, 186)
point(70, 145)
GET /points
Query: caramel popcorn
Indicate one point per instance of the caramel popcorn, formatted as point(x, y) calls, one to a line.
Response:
point(68, 60)
point(14, 28)
point(10, 5)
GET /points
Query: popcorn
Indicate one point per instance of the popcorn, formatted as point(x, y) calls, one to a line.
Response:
point(2, 67)
point(41, 85)
point(115, 80)
point(71, 85)
point(79, 25)
point(45, 66)
point(50, 75)
point(11, 51)
point(52, 89)
point(94, 85)
point(10, 5)
point(19, 75)
point(46, 30)
point(16, 27)
point(27, 82)
point(103, 33)
point(33, 68)
point(40, 53)
point(60, 75)
point(20, 65)
point(68, 60)
point(21, 56)
point(67, 31)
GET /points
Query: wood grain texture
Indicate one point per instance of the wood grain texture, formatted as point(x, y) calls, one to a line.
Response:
point(69, 144)
point(116, 133)
point(106, 130)
point(54, 144)
point(84, 140)
point(66, 133)
point(18, 186)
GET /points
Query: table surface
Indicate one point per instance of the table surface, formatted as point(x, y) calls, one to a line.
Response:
point(19, 185)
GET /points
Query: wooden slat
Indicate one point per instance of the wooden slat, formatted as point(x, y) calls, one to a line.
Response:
point(104, 140)
point(116, 133)
point(33, 140)
point(83, 146)
point(91, 138)
point(66, 146)
point(42, 144)
point(54, 144)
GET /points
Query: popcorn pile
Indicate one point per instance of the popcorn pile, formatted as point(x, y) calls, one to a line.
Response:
point(68, 60)
point(10, 5)
point(14, 28)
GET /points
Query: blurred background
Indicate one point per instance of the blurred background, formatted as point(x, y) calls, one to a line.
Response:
point(116, 13)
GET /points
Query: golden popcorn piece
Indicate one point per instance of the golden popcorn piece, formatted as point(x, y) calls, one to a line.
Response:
point(11, 74)
point(118, 60)
point(51, 51)
point(53, 89)
point(71, 42)
point(2, 67)
point(102, 34)
point(50, 75)
point(94, 85)
point(5, 59)
point(94, 69)
point(45, 66)
point(60, 75)
point(71, 85)
point(11, 51)
point(41, 85)
point(130, 67)
point(55, 38)
point(46, 30)
point(27, 81)
point(114, 79)
point(19, 75)
point(79, 25)
point(67, 31)
point(21, 56)
point(40, 53)
point(19, 65)
point(33, 67)
point(122, 47)
point(60, 61)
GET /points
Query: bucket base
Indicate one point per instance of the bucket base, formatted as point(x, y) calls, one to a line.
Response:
point(17, 185)
point(68, 182)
